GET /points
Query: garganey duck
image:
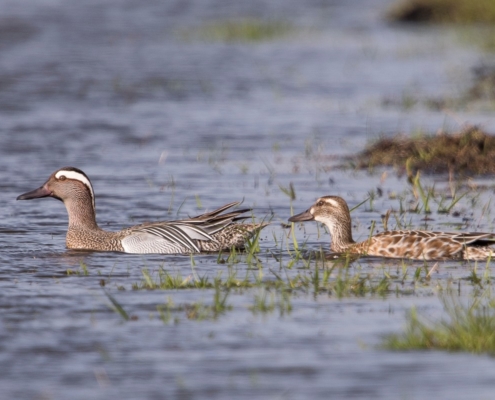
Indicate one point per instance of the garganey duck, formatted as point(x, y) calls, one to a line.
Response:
point(209, 232)
point(421, 245)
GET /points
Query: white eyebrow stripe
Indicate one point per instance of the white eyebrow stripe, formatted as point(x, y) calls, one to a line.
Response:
point(332, 202)
point(79, 177)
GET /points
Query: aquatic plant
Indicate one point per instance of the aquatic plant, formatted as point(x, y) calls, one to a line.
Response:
point(483, 86)
point(167, 281)
point(240, 30)
point(266, 302)
point(117, 307)
point(197, 311)
point(468, 327)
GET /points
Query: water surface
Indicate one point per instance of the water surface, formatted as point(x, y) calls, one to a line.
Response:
point(166, 128)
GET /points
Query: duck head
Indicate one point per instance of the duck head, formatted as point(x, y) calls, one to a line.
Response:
point(65, 184)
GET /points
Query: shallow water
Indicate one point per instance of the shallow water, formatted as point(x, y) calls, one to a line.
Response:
point(167, 127)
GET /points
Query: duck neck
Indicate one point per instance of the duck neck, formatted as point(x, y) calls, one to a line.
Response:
point(341, 236)
point(81, 214)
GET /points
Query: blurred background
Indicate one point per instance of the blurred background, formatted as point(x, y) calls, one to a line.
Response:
point(173, 108)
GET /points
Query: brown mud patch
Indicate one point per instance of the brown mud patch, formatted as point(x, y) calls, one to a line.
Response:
point(467, 152)
point(443, 11)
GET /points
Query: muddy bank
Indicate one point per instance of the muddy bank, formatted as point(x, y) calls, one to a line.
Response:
point(468, 152)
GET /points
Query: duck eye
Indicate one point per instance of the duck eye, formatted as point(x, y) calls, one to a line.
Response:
point(62, 178)
point(320, 203)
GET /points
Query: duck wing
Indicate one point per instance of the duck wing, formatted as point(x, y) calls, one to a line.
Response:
point(475, 238)
point(424, 245)
point(180, 236)
point(213, 221)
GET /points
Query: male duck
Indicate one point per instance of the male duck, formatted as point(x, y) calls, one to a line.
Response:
point(207, 232)
point(421, 245)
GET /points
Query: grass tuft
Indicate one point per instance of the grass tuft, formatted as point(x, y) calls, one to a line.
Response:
point(115, 306)
point(265, 302)
point(248, 30)
point(197, 311)
point(468, 327)
point(168, 281)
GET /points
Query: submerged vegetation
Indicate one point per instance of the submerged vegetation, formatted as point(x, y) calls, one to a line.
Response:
point(468, 152)
point(479, 95)
point(275, 291)
point(443, 11)
point(334, 278)
point(474, 17)
point(241, 30)
point(483, 87)
point(270, 282)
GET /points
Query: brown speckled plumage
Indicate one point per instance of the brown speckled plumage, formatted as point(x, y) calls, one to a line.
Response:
point(422, 245)
point(214, 231)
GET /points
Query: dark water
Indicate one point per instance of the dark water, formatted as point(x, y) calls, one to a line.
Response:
point(161, 125)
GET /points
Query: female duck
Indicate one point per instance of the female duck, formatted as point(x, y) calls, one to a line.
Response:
point(421, 245)
point(209, 232)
